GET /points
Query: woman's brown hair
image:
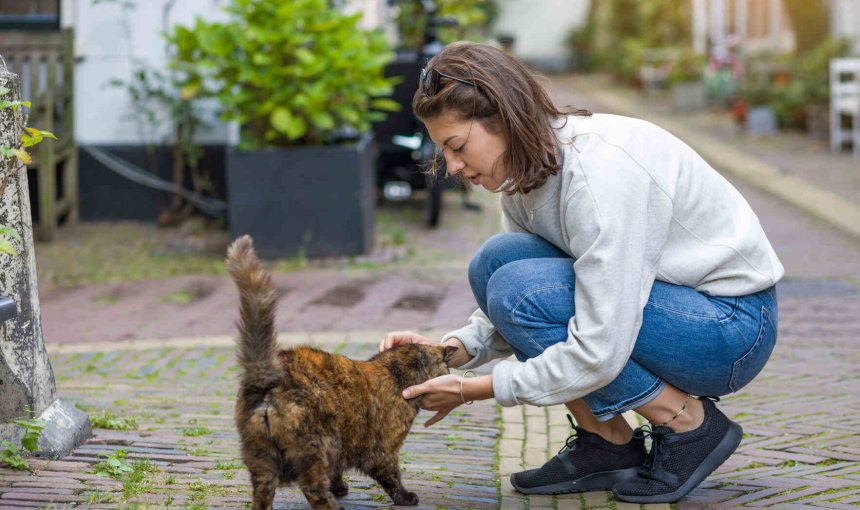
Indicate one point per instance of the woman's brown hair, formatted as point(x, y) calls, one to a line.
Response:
point(507, 100)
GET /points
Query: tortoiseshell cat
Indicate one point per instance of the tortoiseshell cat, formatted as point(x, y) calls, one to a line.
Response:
point(305, 415)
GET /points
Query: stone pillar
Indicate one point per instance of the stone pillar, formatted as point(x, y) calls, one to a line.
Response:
point(26, 376)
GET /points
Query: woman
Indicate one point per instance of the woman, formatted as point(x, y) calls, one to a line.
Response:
point(631, 275)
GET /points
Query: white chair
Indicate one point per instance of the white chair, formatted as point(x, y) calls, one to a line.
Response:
point(845, 102)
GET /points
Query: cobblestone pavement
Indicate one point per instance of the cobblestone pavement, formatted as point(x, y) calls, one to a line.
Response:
point(178, 399)
point(801, 416)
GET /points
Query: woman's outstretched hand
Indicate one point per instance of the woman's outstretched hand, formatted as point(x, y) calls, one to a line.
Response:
point(401, 337)
point(443, 394)
point(440, 394)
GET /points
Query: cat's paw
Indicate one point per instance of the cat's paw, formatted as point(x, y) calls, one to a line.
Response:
point(339, 489)
point(406, 498)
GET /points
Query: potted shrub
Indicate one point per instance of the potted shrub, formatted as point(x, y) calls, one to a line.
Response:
point(303, 83)
point(757, 96)
point(685, 80)
point(813, 73)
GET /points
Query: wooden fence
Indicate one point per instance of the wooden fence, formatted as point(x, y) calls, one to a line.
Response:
point(45, 63)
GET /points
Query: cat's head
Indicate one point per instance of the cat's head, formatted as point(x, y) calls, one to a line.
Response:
point(413, 364)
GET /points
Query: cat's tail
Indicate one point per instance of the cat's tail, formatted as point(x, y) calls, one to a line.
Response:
point(256, 343)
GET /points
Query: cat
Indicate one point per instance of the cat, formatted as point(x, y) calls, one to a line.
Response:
point(305, 415)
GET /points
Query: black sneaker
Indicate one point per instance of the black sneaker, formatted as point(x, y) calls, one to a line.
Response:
point(678, 462)
point(586, 462)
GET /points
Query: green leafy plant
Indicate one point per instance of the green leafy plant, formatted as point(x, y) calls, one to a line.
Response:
point(624, 31)
point(136, 481)
point(107, 420)
point(114, 464)
point(579, 42)
point(474, 19)
point(790, 83)
point(10, 454)
point(289, 73)
point(196, 431)
point(30, 137)
point(687, 66)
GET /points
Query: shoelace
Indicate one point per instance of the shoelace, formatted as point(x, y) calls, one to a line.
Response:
point(656, 435)
point(571, 439)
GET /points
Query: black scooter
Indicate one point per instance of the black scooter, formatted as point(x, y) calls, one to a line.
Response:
point(405, 150)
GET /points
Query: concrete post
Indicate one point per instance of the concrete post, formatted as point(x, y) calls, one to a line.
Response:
point(26, 376)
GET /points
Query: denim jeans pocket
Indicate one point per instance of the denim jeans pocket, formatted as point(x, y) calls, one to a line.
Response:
point(753, 361)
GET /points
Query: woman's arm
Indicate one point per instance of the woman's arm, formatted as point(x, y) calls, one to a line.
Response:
point(445, 393)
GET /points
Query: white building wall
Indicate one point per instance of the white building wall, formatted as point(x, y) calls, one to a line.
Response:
point(845, 20)
point(110, 40)
point(540, 28)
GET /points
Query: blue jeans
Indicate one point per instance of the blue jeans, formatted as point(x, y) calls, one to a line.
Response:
point(703, 345)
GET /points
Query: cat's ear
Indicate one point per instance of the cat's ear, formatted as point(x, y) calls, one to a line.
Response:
point(450, 351)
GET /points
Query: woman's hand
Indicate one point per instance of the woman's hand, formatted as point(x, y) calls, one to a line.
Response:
point(442, 394)
point(401, 337)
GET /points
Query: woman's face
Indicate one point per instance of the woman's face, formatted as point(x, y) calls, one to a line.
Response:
point(469, 149)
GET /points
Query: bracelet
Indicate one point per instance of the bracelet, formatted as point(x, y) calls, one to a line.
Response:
point(462, 379)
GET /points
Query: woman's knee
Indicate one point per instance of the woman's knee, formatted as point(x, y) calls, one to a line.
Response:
point(489, 258)
point(506, 247)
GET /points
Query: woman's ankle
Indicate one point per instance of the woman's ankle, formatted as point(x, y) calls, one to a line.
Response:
point(674, 409)
point(691, 419)
point(616, 431)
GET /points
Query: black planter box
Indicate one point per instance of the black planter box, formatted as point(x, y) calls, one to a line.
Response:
point(107, 196)
point(312, 201)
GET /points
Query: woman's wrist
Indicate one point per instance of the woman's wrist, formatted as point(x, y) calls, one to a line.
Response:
point(477, 388)
point(461, 357)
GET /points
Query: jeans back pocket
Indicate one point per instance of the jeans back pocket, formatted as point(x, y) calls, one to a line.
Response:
point(753, 361)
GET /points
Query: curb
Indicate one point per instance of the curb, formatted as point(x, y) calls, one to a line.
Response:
point(329, 339)
point(825, 205)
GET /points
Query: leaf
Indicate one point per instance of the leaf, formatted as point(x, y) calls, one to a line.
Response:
point(286, 123)
point(385, 104)
point(3, 91)
point(30, 441)
point(6, 247)
point(324, 121)
point(9, 231)
point(189, 91)
point(33, 138)
point(48, 134)
point(280, 119)
point(23, 156)
point(305, 57)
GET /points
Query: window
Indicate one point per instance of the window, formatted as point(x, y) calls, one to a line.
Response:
point(29, 14)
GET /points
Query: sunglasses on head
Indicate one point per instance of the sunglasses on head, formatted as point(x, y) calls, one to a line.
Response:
point(430, 81)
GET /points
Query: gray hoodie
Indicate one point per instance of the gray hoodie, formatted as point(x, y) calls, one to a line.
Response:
point(631, 204)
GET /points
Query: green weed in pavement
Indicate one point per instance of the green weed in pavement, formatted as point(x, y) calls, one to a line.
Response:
point(137, 481)
point(113, 464)
point(10, 454)
point(233, 464)
point(107, 420)
point(197, 452)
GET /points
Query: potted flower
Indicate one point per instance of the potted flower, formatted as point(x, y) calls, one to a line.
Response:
point(303, 83)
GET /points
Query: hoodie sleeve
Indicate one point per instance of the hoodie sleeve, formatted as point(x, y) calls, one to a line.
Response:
point(617, 223)
point(481, 340)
